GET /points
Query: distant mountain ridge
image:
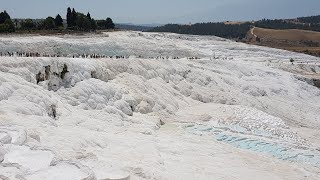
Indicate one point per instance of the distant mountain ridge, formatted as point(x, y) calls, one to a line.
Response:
point(136, 27)
point(239, 30)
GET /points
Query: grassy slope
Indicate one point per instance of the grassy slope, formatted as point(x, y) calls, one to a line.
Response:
point(290, 34)
point(291, 39)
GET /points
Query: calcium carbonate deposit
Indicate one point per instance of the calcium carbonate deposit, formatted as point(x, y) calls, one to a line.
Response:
point(156, 106)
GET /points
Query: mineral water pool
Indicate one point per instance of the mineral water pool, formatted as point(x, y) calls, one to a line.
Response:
point(257, 143)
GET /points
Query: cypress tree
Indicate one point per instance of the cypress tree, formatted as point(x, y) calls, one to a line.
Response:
point(58, 21)
point(74, 17)
point(69, 17)
point(89, 16)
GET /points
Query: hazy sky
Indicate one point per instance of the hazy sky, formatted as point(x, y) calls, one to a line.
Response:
point(165, 11)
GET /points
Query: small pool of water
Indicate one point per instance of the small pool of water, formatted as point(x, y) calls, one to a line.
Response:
point(283, 151)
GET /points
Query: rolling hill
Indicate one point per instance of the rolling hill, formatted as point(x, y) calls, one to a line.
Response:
point(297, 40)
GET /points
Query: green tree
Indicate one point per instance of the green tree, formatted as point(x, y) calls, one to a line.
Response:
point(109, 23)
point(79, 22)
point(16, 22)
point(4, 16)
point(7, 26)
point(28, 24)
point(73, 17)
point(93, 25)
point(101, 24)
point(49, 24)
point(10, 24)
point(58, 21)
point(69, 17)
point(89, 16)
point(86, 26)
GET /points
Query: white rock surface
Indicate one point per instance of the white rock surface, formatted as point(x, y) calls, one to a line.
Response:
point(27, 158)
point(61, 171)
point(238, 112)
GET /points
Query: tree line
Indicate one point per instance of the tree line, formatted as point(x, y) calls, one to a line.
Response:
point(79, 21)
point(75, 21)
point(232, 31)
point(310, 19)
point(239, 31)
point(49, 23)
point(300, 23)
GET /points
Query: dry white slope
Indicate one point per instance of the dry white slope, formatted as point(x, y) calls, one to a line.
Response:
point(246, 114)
